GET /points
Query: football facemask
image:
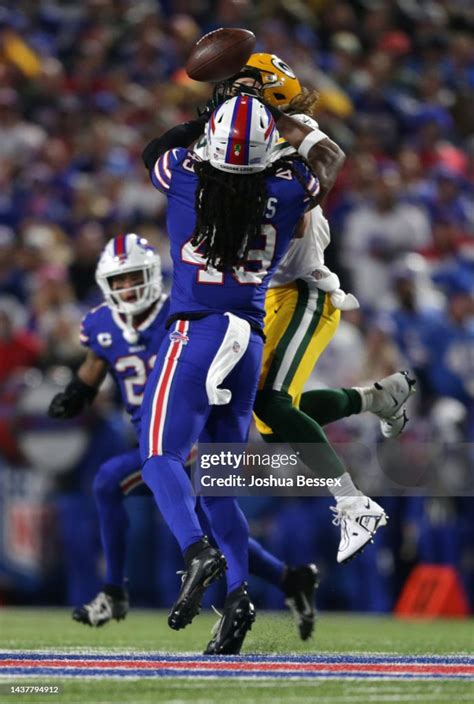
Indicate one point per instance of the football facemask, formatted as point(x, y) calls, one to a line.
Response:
point(129, 254)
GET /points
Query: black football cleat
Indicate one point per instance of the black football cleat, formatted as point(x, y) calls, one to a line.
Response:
point(230, 631)
point(299, 586)
point(111, 602)
point(205, 566)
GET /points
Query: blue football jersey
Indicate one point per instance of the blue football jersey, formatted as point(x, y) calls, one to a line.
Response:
point(102, 330)
point(242, 291)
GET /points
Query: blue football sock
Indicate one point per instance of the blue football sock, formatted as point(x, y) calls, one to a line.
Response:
point(261, 563)
point(171, 487)
point(113, 521)
point(231, 533)
point(265, 565)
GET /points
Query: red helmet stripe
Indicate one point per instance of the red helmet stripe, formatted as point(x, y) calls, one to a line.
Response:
point(271, 126)
point(120, 247)
point(238, 144)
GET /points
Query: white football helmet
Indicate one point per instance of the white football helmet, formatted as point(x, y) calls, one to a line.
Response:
point(127, 253)
point(240, 135)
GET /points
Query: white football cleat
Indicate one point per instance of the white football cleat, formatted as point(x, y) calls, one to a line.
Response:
point(103, 608)
point(359, 519)
point(388, 398)
point(392, 392)
point(391, 427)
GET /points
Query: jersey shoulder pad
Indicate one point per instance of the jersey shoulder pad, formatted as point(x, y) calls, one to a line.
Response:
point(94, 322)
point(308, 180)
point(164, 170)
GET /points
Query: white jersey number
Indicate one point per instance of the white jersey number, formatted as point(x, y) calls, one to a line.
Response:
point(132, 361)
point(253, 272)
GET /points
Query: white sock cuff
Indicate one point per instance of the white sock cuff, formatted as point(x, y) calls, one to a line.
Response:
point(346, 488)
point(365, 393)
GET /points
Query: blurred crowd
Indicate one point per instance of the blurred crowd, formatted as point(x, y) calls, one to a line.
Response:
point(84, 85)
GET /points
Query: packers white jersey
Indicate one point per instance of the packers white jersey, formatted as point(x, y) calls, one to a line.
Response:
point(304, 255)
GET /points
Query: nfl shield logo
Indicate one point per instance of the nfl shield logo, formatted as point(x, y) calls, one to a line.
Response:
point(236, 347)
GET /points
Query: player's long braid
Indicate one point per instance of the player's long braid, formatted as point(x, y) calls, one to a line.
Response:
point(229, 214)
point(230, 210)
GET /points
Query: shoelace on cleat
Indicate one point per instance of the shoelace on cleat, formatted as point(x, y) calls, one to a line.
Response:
point(402, 415)
point(340, 515)
point(101, 601)
point(215, 627)
point(397, 416)
point(100, 606)
point(183, 574)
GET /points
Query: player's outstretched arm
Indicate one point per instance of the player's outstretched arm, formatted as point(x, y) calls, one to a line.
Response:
point(323, 155)
point(81, 390)
point(180, 136)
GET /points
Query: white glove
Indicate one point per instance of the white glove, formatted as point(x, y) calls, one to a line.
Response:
point(327, 280)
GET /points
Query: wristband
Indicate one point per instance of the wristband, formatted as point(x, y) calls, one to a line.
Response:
point(309, 141)
point(80, 390)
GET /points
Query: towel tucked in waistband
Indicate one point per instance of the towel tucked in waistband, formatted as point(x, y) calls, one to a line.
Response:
point(232, 349)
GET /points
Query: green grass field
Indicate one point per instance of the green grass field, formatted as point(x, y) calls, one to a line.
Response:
point(22, 629)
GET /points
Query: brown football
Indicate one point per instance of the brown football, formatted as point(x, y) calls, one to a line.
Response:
point(220, 54)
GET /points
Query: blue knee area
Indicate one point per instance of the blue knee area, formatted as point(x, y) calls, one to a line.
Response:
point(106, 483)
point(151, 467)
point(173, 493)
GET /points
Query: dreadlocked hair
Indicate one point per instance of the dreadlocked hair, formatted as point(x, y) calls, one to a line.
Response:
point(229, 214)
point(304, 102)
point(230, 210)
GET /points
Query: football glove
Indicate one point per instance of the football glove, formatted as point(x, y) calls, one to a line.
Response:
point(205, 112)
point(70, 402)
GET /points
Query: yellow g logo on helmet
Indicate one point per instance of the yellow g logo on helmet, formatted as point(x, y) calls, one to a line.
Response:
point(280, 84)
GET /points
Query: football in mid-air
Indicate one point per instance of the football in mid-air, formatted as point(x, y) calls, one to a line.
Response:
point(220, 54)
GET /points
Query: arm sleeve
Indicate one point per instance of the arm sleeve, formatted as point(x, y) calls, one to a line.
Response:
point(180, 136)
